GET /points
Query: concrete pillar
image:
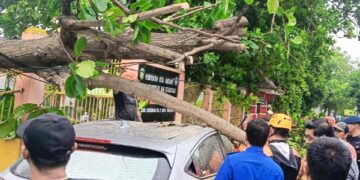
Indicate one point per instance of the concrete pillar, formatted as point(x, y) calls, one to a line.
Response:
point(208, 99)
point(227, 111)
point(180, 95)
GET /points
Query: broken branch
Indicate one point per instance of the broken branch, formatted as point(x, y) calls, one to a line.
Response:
point(192, 30)
point(162, 11)
point(195, 51)
point(122, 7)
point(237, 21)
point(190, 13)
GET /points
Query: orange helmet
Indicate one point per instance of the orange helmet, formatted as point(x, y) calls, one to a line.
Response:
point(280, 120)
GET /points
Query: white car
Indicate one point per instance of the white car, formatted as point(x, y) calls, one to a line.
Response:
point(140, 151)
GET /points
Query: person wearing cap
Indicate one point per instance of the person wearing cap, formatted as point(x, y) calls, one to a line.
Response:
point(49, 141)
point(353, 138)
point(323, 127)
point(341, 130)
point(287, 157)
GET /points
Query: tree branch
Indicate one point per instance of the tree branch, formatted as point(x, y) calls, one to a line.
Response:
point(122, 7)
point(192, 30)
point(143, 91)
point(153, 50)
point(237, 21)
point(194, 51)
point(190, 12)
point(162, 11)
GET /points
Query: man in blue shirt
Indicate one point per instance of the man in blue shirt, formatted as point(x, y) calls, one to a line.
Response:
point(252, 163)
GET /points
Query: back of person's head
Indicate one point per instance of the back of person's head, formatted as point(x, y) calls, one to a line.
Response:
point(328, 158)
point(257, 132)
point(314, 123)
point(324, 129)
point(49, 141)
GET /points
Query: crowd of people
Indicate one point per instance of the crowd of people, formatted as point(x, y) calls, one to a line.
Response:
point(333, 151)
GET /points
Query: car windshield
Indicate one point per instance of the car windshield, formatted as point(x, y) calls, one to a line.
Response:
point(113, 163)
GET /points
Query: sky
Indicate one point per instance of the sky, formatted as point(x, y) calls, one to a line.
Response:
point(350, 46)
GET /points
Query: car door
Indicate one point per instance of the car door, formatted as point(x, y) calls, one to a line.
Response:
point(207, 157)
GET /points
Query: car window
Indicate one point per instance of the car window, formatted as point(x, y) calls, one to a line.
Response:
point(227, 144)
point(207, 157)
point(124, 163)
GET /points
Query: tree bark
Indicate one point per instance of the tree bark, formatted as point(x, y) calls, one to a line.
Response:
point(144, 91)
point(32, 55)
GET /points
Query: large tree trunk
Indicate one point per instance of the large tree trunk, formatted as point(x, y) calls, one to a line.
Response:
point(30, 55)
point(144, 91)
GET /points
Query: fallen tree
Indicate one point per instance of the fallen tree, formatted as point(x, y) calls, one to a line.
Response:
point(47, 56)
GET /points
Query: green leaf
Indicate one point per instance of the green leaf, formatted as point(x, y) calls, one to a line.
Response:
point(297, 40)
point(112, 27)
point(101, 64)
point(72, 67)
point(149, 24)
point(80, 87)
point(101, 5)
point(6, 127)
point(54, 110)
point(70, 87)
point(95, 75)
point(291, 19)
point(136, 34)
point(141, 5)
point(142, 104)
point(36, 113)
point(21, 110)
point(280, 11)
point(130, 19)
point(11, 135)
point(114, 12)
point(249, 2)
point(272, 6)
point(209, 23)
point(85, 69)
point(145, 35)
point(160, 3)
point(80, 44)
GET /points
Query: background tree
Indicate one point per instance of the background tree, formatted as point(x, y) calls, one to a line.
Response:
point(287, 41)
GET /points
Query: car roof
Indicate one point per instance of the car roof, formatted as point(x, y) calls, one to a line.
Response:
point(158, 137)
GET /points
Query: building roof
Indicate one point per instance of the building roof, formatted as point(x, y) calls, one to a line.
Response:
point(268, 84)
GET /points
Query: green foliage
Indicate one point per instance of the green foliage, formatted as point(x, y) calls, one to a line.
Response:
point(249, 2)
point(101, 5)
point(80, 44)
point(75, 86)
point(86, 69)
point(8, 127)
point(16, 16)
point(272, 6)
